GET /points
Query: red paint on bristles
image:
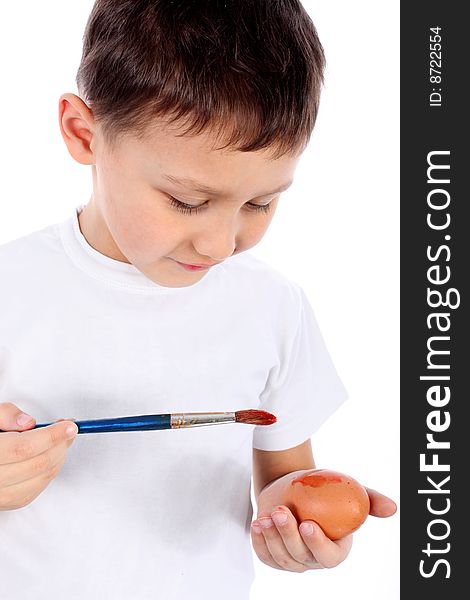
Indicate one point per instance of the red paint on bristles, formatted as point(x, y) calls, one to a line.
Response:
point(254, 417)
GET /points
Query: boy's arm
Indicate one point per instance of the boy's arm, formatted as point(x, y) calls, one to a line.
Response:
point(270, 465)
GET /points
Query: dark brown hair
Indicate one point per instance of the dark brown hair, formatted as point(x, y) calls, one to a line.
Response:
point(249, 70)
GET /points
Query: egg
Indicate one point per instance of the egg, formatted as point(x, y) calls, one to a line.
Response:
point(337, 502)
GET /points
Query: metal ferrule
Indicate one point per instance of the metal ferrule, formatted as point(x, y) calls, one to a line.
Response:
point(180, 420)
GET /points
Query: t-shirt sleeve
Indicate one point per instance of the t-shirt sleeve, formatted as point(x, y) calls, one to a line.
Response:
point(305, 389)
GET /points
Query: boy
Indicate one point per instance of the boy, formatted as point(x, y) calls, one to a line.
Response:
point(193, 117)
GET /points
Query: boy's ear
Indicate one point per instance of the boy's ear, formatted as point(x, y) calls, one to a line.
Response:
point(76, 126)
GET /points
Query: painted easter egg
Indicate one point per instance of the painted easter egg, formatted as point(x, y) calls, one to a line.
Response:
point(337, 502)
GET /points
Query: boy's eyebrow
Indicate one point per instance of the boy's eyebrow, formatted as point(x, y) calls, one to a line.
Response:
point(200, 187)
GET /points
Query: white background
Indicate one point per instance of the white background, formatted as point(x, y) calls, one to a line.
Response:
point(336, 232)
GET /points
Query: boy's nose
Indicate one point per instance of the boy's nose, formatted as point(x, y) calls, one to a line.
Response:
point(217, 242)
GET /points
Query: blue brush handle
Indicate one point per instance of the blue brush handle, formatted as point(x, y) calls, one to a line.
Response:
point(135, 423)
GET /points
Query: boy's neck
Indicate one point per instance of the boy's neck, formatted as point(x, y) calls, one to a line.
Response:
point(95, 231)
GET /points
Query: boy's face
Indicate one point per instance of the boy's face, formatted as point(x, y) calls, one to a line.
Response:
point(132, 217)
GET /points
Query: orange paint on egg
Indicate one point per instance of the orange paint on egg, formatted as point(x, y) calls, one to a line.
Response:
point(316, 479)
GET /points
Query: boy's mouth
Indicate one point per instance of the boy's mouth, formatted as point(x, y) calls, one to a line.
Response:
point(193, 267)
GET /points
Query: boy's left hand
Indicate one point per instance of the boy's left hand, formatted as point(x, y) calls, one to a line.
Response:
point(291, 547)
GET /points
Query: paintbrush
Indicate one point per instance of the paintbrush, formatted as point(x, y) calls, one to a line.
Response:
point(170, 421)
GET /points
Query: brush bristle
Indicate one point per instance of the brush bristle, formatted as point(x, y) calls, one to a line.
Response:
point(255, 417)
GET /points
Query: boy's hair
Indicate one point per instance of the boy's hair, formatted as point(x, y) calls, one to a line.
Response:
point(250, 71)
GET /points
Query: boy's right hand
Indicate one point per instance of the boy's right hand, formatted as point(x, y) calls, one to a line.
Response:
point(29, 460)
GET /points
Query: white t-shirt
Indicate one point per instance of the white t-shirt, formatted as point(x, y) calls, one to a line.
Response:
point(155, 514)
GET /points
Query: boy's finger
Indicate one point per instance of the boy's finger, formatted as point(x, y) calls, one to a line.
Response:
point(260, 546)
point(380, 505)
point(327, 552)
point(277, 548)
point(71, 441)
point(288, 529)
point(13, 418)
point(20, 446)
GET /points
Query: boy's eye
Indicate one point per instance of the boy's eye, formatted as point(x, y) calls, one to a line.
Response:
point(188, 209)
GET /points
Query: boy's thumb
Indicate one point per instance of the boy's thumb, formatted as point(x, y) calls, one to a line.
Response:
point(13, 418)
